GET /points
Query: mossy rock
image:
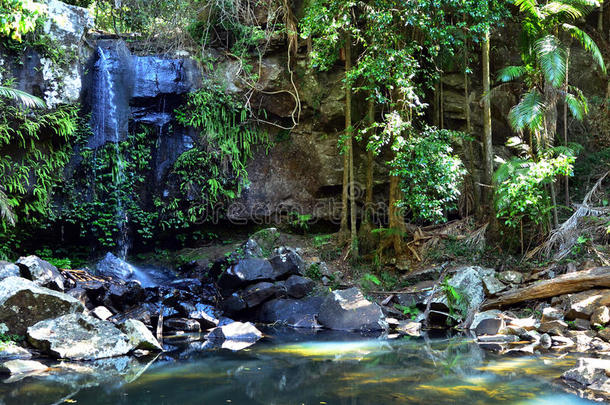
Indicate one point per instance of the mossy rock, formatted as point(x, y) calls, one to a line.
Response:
point(267, 239)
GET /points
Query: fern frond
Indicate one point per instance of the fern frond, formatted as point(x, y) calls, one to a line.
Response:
point(528, 113)
point(587, 43)
point(552, 58)
point(510, 73)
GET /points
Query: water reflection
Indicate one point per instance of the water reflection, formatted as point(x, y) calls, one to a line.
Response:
point(300, 368)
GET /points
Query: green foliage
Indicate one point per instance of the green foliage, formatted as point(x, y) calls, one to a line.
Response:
point(9, 338)
point(321, 240)
point(214, 172)
point(18, 17)
point(430, 173)
point(410, 312)
point(313, 271)
point(34, 149)
point(456, 301)
point(299, 222)
point(520, 193)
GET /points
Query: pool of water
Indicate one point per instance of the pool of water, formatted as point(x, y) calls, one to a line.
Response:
point(290, 367)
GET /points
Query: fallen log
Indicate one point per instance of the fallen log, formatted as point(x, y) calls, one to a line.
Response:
point(565, 284)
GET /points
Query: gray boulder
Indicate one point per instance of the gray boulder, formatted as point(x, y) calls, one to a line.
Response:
point(258, 293)
point(112, 266)
point(23, 303)
point(41, 272)
point(298, 287)
point(8, 270)
point(11, 351)
point(139, 335)
point(285, 264)
point(246, 271)
point(349, 310)
point(79, 337)
point(301, 313)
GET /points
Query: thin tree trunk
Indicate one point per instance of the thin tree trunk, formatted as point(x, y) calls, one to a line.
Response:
point(349, 133)
point(344, 231)
point(487, 135)
point(368, 202)
point(600, 18)
point(396, 220)
point(474, 178)
point(550, 129)
point(565, 123)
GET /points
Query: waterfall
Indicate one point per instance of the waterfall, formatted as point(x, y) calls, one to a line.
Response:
point(109, 127)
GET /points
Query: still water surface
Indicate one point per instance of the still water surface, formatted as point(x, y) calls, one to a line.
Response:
point(300, 368)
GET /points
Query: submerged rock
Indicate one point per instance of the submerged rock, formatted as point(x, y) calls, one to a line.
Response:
point(79, 337)
point(41, 272)
point(301, 313)
point(348, 310)
point(23, 303)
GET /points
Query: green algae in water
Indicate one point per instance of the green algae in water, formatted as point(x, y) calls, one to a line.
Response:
point(308, 369)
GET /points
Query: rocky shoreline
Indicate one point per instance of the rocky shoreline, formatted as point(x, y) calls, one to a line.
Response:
point(89, 316)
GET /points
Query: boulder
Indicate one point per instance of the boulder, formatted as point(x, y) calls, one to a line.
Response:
point(551, 314)
point(588, 371)
point(79, 337)
point(205, 314)
point(510, 277)
point(8, 270)
point(489, 326)
point(182, 324)
point(600, 316)
point(102, 313)
point(298, 287)
point(13, 367)
point(349, 310)
point(258, 293)
point(266, 239)
point(480, 316)
point(41, 272)
point(238, 331)
point(604, 334)
point(468, 284)
point(10, 351)
point(234, 304)
point(139, 335)
point(23, 303)
point(112, 266)
point(121, 296)
point(582, 305)
point(301, 313)
point(246, 271)
point(491, 283)
point(553, 327)
point(286, 264)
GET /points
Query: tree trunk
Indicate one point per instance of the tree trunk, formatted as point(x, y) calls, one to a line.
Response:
point(565, 123)
point(365, 239)
point(600, 18)
point(349, 130)
point(396, 220)
point(474, 178)
point(550, 129)
point(344, 231)
point(487, 135)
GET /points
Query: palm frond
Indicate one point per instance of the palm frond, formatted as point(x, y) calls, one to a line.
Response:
point(529, 7)
point(578, 106)
point(22, 97)
point(528, 113)
point(6, 210)
point(510, 73)
point(587, 43)
point(555, 8)
point(552, 58)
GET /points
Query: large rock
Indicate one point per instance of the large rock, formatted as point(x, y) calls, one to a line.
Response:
point(10, 351)
point(349, 310)
point(8, 270)
point(246, 271)
point(258, 293)
point(79, 337)
point(600, 316)
point(298, 287)
point(112, 266)
point(139, 335)
point(23, 303)
point(583, 304)
point(41, 272)
point(286, 264)
point(301, 313)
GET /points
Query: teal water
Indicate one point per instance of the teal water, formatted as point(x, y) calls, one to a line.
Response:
point(298, 368)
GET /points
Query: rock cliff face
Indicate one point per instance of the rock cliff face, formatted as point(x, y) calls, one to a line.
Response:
point(302, 172)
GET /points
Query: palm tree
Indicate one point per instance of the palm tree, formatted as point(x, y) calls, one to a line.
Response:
point(22, 97)
point(545, 67)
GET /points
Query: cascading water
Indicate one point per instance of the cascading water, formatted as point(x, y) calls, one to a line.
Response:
point(108, 127)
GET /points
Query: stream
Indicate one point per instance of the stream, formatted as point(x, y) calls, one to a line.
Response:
point(302, 367)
